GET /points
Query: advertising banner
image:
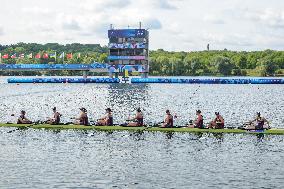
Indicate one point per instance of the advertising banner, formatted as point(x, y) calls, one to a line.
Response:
point(127, 45)
point(126, 57)
point(127, 33)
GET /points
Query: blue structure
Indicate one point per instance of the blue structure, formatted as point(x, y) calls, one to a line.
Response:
point(34, 67)
point(63, 80)
point(128, 47)
point(210, 80)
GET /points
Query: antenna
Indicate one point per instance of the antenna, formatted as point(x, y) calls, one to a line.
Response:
point(110, 26)
point(140, 25)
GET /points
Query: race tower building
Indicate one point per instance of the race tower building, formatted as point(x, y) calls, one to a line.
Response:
point(129, 50)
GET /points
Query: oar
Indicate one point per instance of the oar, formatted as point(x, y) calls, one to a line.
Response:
point(155, 124)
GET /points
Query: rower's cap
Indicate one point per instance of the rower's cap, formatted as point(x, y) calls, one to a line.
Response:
point(54, 108)
point(198, 111)
point(217, 113)
point(258, 113)
point(167, 111)
point(23, 111)
point(83, 109)
point(108, 109)
point(138, 110)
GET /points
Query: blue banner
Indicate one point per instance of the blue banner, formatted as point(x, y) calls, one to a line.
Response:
point(53, 66)
point(126, 57)
point(131, 68)
point(127, 45)
point(127, 33)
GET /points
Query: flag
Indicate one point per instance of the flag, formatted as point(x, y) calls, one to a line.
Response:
point(45, 55)
point(22, 56)
point(5, 56)
point(30, 55)
point(69, 56)
point(52, 55)
point(14, 56)
point(62, 55)
point(38, 55)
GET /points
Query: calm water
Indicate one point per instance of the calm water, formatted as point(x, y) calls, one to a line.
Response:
point(75, 159)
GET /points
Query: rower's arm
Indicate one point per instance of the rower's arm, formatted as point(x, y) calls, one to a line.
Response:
point(167, 120)
point(265, 120)
point(222, 119)
point(197, 120)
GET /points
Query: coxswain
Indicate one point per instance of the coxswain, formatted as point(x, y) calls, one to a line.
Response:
point(258, 123)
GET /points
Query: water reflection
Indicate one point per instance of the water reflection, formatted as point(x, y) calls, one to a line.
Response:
point(138, 135)
point(219, 136)
point(169, 135)
point(126, 98)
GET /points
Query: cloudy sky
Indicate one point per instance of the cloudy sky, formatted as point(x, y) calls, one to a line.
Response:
point(186, 25)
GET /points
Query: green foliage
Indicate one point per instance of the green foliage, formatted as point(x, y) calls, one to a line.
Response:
point(162, 62)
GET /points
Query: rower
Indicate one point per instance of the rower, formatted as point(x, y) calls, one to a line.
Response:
point(83, 118)
point(258, 123)
point(198, 123)
point(23, 119)
point(137, 120)
point(218, 122)
point(55, 119)
point(107, 120)
point(169, 120)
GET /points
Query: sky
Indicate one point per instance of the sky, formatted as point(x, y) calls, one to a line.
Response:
point(174, 25)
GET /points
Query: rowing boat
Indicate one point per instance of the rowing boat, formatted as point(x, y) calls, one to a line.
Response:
point(120, 128)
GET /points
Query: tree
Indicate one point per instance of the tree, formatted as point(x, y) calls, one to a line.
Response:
point(224, 65)
point(269, 67)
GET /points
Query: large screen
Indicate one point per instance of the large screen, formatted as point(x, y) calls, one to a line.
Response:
point(127, 33)
point(127, 45)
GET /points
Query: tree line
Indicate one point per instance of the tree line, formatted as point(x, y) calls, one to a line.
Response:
point(217, 63)
point(164, 63)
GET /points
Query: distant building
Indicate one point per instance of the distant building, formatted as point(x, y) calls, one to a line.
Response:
point(129, 49)
point(208, 47)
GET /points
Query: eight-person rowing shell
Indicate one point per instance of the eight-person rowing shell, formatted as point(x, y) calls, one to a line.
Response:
point(137, 121)
point(259, 123)
point(107, 120)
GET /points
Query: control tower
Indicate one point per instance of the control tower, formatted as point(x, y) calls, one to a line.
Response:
point(128, 50)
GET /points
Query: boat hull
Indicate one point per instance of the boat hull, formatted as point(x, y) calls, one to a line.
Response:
point(154, 129)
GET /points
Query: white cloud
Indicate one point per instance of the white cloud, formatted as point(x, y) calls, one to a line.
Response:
point(213, 19)
point(1, 30)
point(164, 4)
point(99, 5)
point(68, 22)
point(36, 10)
point(268, 17)
point(174, 24)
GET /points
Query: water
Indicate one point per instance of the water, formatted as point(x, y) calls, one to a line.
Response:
point(88, 159)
